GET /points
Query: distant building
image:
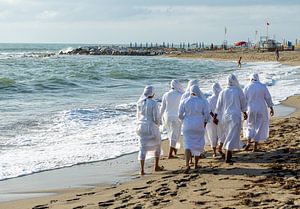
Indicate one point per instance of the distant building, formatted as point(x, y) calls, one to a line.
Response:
point(266, 44)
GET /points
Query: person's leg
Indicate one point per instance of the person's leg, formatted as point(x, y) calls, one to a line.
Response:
point(196, 161)
point(248, 145)
point(255, 146)
point(215, 152)
point(187, 160)
point(175, 151)
point(228, 157)
point(156, 166)
point(142, 163)
point(220, 150)
point(171, 153)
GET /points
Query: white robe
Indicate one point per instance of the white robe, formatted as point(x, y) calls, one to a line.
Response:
point(258, 100)
point(231, 103)
point(169, 111)
point(214, 132)
point(194, 112)
point(148, 121)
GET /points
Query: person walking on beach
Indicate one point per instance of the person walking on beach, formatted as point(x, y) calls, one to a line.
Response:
point(214, 131)
point(258, 100)
point(148, 121)
point(277, 54)
point(240, 62)
point(194, 113)
point(169, 111)
point(231, 103)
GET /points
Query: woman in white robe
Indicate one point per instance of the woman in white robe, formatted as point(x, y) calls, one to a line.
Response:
point(194, 113)
point(169, 111)
point(231, 103)
point(186, 94)
point(214, 132)
point(258, 101)
point(148, 121)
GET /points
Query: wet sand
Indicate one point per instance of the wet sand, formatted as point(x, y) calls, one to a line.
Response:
point(265, 179)
point(286, 57)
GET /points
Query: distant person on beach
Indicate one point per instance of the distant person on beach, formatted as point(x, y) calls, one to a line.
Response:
point(258, 100)
point(240, 62)
point(194, 113)
point(148, 121)
point(214, 131)
point(169, 111)
point(277, 54)
point(231, 103)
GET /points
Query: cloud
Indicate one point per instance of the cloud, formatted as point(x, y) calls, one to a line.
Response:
point(119, 21)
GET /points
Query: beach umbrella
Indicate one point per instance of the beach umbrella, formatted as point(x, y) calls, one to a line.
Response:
point(240, 43)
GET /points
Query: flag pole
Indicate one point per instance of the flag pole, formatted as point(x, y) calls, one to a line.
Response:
point(267, 30)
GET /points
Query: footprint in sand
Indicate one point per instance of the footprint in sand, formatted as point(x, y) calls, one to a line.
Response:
point(41, 207)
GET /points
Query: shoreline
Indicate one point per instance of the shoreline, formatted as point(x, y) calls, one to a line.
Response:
point(291, 58)
point(90, 194)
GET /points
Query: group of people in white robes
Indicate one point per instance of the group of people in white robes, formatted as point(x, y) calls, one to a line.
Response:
point(217, 118)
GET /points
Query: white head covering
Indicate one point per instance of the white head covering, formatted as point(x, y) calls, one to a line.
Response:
point(196, 90)
point(148, 91)
point(216, 89)
point(176, 85)
point(233, 81)
point(254, 77)
point(191, 83)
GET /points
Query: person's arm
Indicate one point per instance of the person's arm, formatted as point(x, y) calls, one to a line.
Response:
point(181, 111)
point(271, 111)
point(137, 112)
point(245, 115)
point(156, 115)
point(269, 101)
point(163, 105)
point(243, 103)
point(206, 113)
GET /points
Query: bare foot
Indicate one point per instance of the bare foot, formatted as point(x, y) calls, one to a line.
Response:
point(247, 147)
point(187, 170)
point(197, 166)
point(172, 157)
point(142, 173)
point(159, 168)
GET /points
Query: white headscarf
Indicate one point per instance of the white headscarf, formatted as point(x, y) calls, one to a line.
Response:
point(196, 90)
point(233, 81)
point(191, 83)
point(176, 85)
point(216, 89)
point(254, 77)
point(148, 91)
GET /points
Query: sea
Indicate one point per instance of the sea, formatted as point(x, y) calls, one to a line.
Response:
point(63, 110)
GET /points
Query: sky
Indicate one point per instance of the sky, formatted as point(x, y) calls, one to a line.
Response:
point(141, 21)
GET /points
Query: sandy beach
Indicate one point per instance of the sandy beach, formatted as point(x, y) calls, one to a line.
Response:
point(265, 179)
point(286, 57)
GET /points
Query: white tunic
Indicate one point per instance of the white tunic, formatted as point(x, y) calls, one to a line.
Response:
point(194, 112)
point(258, 100)
point(169, 111)
point(148, 121)
point(214, 132)
point(231, 103)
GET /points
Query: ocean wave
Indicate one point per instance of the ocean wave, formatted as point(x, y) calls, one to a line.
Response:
point(24, 55)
